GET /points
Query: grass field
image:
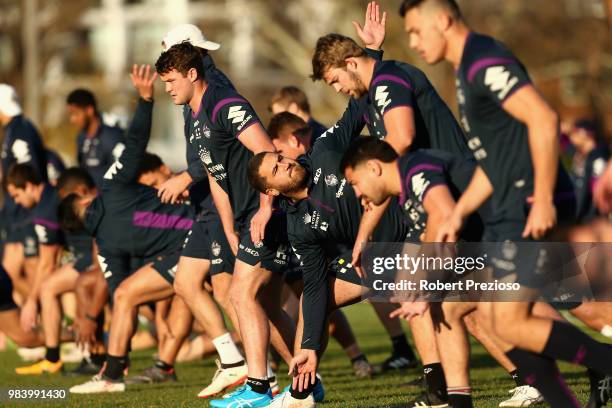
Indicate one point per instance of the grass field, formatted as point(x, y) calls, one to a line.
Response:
point(490, 383)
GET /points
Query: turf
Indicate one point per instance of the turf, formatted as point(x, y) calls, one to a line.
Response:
point(343, 390)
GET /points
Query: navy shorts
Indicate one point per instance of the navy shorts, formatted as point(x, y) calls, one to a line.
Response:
point(207, 240)
point(273, 252)
point(80, 249)
point(166, 265)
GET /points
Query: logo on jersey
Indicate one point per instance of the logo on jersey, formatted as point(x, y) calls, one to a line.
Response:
point(599, 165)
point(215, 248)
point(205, 156)
point(475, 146)
point(104, 267)
point(382, 97)
point(317, 175)
point(419, 184)
point(498, 80)
point(206, 131)
point(236, 114)
point(112, 170)
point(307, 219)
point(331, 180)
point(340, 191)
point(41, 233)
point(118, 150)
point(21, 151)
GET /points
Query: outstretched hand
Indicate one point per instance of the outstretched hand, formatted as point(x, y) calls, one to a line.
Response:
point(373, 31)
point(143, 80)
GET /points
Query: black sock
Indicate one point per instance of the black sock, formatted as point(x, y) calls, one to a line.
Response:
point(305, 392)
point(164, 366)
point(517, 378)
point(114, 367)
point(238, 364)
point(460, 397)
point(52, 354)
point(97, 359)
point(434, 378)
point(258, 385)
point(360, 357)
point(568, 343)
point(401, 347)
point(542, 373)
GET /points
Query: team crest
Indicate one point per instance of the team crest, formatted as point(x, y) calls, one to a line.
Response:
point(215, 248)
point(258, 244)
point(206, 131)
point(331, 180)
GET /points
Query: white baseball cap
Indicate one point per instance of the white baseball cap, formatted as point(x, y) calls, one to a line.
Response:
point(9, 103)
point(187, 33)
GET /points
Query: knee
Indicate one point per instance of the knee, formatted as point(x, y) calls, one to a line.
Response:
point(183, 288)
point(122, 297)
point(222, 299)
point(48, 291)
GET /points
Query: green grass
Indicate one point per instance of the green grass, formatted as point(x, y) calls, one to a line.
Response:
point(489, 382)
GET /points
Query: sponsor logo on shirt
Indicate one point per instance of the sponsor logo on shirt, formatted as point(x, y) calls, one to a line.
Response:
point(382, 97)
point(340, 191)
point(317, 175)
point(499, 81)
point(331, 180)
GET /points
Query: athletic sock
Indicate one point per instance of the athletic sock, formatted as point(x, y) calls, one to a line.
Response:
point(434, 378)
point(163, 366)
point(401, 347)
point(114, 367)
point(460, 397)
point(568, 343)
point(305, 392)
point(52, 354)
point(97, 359)
point(360, 357)
point(270, 372)
point(517, 378)
point(238, 364)
point(259, 385)
point(542, 373)
point(228, 352)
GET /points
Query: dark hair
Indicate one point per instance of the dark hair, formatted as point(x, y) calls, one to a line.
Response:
point(68, 213)
point(288, 95)
point(73, 177)
point(149, 162)
point(255, 179)
point(21, 174)
point(450, 5)
point(331, 52)
point(288, 122)
point(585, 124)
point(182, 57)
point(367, 148)
point(82, 98)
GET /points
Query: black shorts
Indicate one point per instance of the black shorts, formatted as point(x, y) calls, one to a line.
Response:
point(80, 249)
point(6, 292)
point(341, 268)
point(294, 272)
point(166, 265)
point(273, 252)
point(207, 240)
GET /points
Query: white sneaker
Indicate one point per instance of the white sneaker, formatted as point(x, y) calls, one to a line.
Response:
point(523, 396)
point(71, 353)
point(285, 400)
point(98, 385)
point(224, 378)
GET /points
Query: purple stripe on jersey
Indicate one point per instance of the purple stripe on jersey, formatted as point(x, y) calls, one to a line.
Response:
point(392, 78)
point(49, 224)
point(221, 104)
point(422, 167)
point(486, 62)
point(195, 114)
point(320, 204)
point(148, 219)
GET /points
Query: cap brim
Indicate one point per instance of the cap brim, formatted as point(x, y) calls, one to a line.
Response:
point(209, 45)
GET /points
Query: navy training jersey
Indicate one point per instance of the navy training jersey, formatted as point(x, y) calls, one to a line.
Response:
point(585, 173)
point(97, 153)
point(325, 225)
point(55, 166)
point(213, 134)
point(395, 84)
point(127, 216)
point(487, 76)
point(317, 129)
point(46, 224)
point(23, 145)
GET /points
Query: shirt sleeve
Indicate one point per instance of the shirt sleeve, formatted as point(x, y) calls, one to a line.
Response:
point(26, 148)
point(234, 115)
point(125, 169)
point(46, 224)
point(339, 137)
point(498, 77)
point(391, 90)
point(315, 296)
point(422, 176)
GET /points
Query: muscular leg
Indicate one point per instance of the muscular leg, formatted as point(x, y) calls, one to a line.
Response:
point(144, 285)
point(282, 327)
point(221, 283)
point(61, 281)
point(190, 275)
point(13, 261)
point(179, 320)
